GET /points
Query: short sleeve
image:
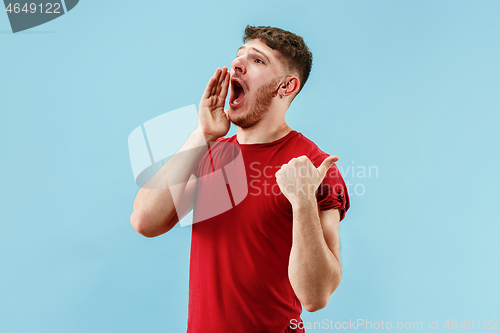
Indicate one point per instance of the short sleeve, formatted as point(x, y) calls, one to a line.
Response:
point(218, 154)
point(332, 192)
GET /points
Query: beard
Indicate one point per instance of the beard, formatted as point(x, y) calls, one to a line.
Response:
point(259, 107)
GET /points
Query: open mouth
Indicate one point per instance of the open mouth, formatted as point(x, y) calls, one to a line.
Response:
point(237, 93)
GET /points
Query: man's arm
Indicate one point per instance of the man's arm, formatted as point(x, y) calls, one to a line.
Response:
point(168, 195)
point(314, 267)
point(159, 205)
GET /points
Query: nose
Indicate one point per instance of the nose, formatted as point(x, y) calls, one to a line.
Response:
point(238, 65)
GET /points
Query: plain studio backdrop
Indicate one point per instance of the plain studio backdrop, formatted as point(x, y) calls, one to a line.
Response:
point(406, 93)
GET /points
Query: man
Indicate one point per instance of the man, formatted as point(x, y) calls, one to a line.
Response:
point(254, 265)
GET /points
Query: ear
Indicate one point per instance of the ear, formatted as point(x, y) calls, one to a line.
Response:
point(290, 86)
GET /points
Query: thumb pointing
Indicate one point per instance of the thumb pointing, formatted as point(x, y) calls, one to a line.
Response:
point(327, 163)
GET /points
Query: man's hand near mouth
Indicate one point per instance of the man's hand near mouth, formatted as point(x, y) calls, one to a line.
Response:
point(212, 118)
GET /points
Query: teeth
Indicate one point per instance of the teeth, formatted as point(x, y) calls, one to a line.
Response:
point(238, 92)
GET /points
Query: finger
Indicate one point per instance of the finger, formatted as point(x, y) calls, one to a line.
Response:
point(208, 89)
point(225, 86)
point(216, 78)
point(216, 81)
point(278, 173)
point(221, 81)
point(327, 163)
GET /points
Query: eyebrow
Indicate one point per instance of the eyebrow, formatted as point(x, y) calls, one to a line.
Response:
point(253, 48)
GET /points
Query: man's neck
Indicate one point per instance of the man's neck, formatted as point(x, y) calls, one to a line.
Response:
point(262, 132)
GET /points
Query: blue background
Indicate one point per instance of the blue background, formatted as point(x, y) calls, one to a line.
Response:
point(408, 87)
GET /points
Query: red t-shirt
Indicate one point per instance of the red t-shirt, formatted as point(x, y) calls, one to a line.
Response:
point(239, 258)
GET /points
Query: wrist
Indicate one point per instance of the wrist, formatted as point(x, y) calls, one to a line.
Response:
point(198, 132)
point(304, 203)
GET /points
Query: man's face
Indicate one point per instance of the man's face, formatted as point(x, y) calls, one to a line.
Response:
point(255, 77)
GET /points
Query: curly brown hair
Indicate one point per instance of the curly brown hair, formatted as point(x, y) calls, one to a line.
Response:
point(296, 54)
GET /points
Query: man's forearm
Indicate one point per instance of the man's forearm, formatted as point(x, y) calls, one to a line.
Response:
point(157, 202)
point(169, 194)
point(313, 270)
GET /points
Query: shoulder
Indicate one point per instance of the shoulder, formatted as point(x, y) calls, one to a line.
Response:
point(308, 148)
point(224, 145)
point(228, 139)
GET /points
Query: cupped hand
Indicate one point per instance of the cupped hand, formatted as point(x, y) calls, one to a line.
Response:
point(212, 119)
